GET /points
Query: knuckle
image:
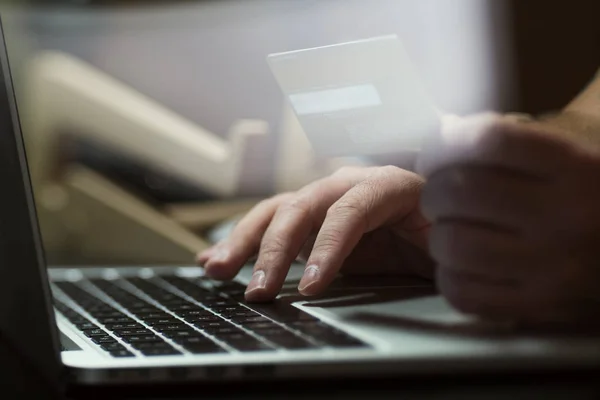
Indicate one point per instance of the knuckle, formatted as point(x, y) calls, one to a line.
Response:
point(298, 204)
point(347, 209)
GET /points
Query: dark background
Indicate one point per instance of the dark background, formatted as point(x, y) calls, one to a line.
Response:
point(557, 47)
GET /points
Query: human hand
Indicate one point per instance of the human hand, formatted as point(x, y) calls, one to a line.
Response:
point(363, 220)
point(515, 212)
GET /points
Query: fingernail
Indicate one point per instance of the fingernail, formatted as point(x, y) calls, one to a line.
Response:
point(311, 276)
point(257, 281)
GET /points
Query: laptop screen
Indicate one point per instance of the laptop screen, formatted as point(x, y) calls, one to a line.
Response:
point(26, 317)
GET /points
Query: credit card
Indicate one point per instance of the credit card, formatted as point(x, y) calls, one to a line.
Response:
point(357, 98)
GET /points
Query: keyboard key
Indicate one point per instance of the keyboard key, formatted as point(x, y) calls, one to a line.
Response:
point(211, 324)
point(161, 321)
point(196, 292)
point(103, 339)
point(115, 320)
point(160, 352)
point(143, 310)
point(204, 348)
point(270, 332)
point(263, 326)
point(181, 334)
point(150, 316)
point(121, 353)
point(203, 319)
point(185, 307)
point(250, 320)
point(133, 325)
point(241, 314)
point(112, 346)
point(132, 332)
point(152, 345)
point(198, 339)
point(195, 313)
point(220, 302)
point(86, 325)
point(142, 338)
point(78, 320)
point(224, 330)
point(208, 297)
point(227, 310)
point(94, 332)
point(172, 327)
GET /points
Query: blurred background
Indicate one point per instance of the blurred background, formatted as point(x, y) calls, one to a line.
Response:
point(151, 125)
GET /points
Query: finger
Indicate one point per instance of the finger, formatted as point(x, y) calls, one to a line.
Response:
point(476, 249)
point(289, 230)
point(485, 195)
point(478, 295)
point(387, 196)
point(494, 140)
point(224, 260)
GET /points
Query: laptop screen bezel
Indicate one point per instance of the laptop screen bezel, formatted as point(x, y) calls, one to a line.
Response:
point(27, 320)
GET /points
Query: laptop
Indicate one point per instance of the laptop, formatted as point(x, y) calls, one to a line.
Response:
point(160, 324)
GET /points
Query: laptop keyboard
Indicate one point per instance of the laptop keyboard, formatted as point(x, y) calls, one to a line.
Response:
point(171, 315)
